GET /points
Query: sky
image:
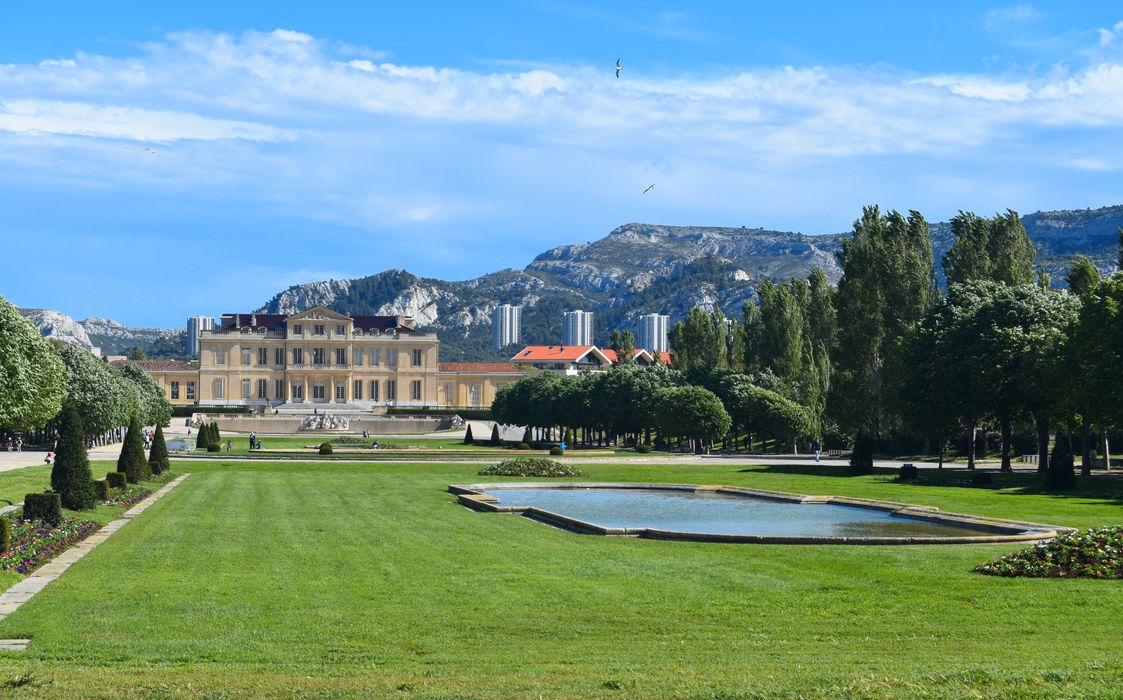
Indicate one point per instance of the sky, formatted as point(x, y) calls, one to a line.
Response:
point(162, 160)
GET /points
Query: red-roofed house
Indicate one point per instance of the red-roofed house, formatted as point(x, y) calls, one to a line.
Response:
point(566, 359)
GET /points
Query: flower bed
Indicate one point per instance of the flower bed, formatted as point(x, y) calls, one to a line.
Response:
point(1095, 553)
point(131, 497)
point(530, 466)
point(34, 543)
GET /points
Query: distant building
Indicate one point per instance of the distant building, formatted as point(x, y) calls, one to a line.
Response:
point(506, 325)
point(578, 359)
point(653, 330)
point(195, 327)
point(577, 328)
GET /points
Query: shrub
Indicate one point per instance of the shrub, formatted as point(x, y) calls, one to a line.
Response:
point(527, 436)
point(325, 448)
point(909, 472)
point(982, 478)
point(495, 440)
point(1095, 553)
point(158, 455)
point(468, 440)
point(102, 490)
point(644, 448)
point(70, 475)
point(214, 447)
point(216, 437)
point(46, 506)
point(522, 446)
point(116, 480)
point(5, 534)
point(556, 451)
point(530, 466)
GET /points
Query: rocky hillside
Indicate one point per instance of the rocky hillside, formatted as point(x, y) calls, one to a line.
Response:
point(112, 337)
point(642, 268)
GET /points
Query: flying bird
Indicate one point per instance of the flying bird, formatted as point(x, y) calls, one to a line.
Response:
point(649, 188)
point(150, 151)
point(618, 68)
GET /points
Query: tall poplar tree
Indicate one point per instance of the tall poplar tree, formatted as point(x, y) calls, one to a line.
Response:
point(996, 249)
point(886, 288)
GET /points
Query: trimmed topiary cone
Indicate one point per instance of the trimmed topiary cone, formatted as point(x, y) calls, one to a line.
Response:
point(158, 455)
point(70, 475)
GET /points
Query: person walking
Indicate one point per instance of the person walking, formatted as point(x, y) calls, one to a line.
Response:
point(19, 444)
point(229, 446)
point(818, 449)
point(9, 443)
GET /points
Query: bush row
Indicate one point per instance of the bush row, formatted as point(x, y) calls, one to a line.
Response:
point(530, 466)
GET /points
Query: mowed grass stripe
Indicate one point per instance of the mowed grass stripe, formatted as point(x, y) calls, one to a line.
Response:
point(356, 577)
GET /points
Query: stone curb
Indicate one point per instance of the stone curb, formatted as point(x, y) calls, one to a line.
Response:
point(23, 591)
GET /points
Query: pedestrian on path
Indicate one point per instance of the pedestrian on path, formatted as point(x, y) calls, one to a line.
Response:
point(229, 446)
point(818, 449)
point(19, 444)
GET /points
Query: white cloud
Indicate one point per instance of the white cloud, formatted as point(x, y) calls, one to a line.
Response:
point(81, 119)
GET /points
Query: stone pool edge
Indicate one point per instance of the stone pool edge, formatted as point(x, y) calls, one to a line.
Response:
point(473, 496)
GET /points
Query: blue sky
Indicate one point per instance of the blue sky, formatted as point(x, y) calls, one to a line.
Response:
point(291, 142)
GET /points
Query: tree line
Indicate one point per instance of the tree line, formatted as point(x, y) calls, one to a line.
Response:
point(885, 359)
point(37, 376)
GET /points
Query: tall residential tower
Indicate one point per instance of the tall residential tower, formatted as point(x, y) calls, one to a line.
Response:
point(653, 332)
point(577, 328)
point(506, 325)
point(195, 327)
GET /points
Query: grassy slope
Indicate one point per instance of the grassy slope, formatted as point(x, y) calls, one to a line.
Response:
point(256, 578)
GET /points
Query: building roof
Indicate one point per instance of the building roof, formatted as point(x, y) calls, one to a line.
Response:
point(479, 367)
point(158, 365)
point(611, 354)
point(275, 322)
point(555, 353)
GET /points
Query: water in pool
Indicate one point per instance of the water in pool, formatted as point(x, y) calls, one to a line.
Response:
point(716, 513)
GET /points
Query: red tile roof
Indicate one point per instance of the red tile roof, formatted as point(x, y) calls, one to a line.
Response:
point(481, 367)
point(553, 353)
point(611, 354)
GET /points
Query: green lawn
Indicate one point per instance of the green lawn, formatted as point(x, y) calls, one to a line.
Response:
point(256, 578)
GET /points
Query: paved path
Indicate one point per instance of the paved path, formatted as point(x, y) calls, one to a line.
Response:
point(25, 590)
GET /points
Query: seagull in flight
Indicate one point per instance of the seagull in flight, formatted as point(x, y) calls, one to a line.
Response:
point(618, 68)
point(150, 151)
point(649, 188)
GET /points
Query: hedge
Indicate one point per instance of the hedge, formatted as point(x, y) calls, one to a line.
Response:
point(425, 412)
point(102, 490)
point(116, 480)
point(530, 466)
point(46, 506)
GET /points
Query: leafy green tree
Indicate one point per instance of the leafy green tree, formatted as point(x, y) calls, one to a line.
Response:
point(781, 329)
point(70, 474)
point(132, 460)
point(103, 397)
point(136, 354)
point(886, 288)
point(158, 461)
point(32, 378)
point(997, 249)
point(820, 315)
point(154, 408)
point(1096, 357)
point(759, 411)
point(692, 412)
point(623, 343)
point(702, 339)
point(1083, 276)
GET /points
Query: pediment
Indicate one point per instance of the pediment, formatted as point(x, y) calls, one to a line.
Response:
point(318, 313)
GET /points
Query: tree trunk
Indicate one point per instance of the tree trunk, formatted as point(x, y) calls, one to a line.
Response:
point(972, 428)
point(1107, 453)
point(1006, 444)
point(1085, 448)
point(984, 443)
point(943, 444)
point(1042, 441)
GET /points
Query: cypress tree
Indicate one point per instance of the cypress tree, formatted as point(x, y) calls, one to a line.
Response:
point(528, 438)
point(158, 455)
point(70, 475)
point(495, 441)
point(132, 461)
point(201, 438)
point(468, 435)
point(216, 437)
point(1060, 474)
